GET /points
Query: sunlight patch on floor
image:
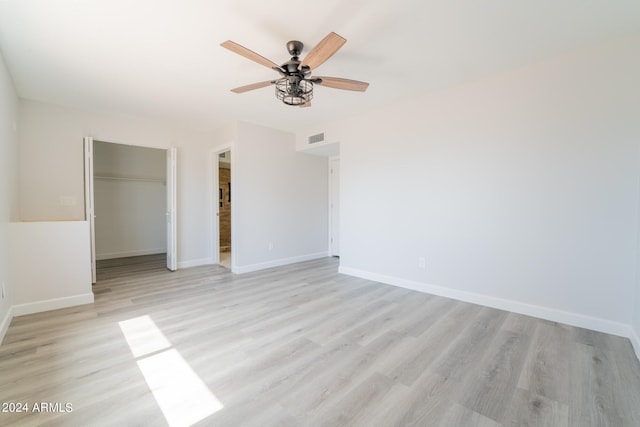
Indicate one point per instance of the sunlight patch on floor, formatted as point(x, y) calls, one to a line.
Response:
point(182, 396)
point(143, 336)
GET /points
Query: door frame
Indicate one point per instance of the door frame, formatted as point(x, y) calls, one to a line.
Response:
point(215, 208)
point(332, 190)
point(89, 201)
point(89, 207)
point(172, 197)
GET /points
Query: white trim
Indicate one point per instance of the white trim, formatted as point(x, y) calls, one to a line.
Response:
point(213, 184)
point(172, 208)
point(51, 304)
point(329, 205)
point(4, 326)
point(113, 255)
point(196, 263)
point(329, 194)
point(573, 319)
point(635, 342)
point(277, 263)
point(89, 201)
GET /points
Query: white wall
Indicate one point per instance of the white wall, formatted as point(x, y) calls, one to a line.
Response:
point(130, 200)
point(279, 200)
point(9, 209)
point(52, 166)
point(50, 265)
point(130, 218)
point(635, 321)
point(519, 190)
point(129, 161)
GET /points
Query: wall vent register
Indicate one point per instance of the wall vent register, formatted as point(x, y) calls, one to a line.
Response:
point(313, 139)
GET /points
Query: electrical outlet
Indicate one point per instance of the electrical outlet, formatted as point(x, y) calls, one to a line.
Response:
point(422, 262)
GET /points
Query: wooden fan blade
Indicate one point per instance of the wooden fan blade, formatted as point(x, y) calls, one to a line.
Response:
point(249, 54)
point(344, 84)
point(323, 50)
point(252, 86)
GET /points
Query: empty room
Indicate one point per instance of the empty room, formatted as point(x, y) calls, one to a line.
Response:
point(347, 213)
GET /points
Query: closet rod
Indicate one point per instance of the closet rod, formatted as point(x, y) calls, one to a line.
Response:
point(121, 178)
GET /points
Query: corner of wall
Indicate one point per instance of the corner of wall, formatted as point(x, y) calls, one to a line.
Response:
point(635, 298)
point(635, 341)
point(9, 195)
point(635, 317)
point(4, 324)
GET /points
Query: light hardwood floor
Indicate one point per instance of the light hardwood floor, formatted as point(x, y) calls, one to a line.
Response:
point(302, 345)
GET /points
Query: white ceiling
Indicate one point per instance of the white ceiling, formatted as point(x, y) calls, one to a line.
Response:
point(162, 58)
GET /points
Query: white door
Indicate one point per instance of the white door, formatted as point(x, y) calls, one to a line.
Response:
point(172, 246)
point(89, 210)
point(335, 206)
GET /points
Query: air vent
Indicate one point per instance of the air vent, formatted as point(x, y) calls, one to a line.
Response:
point(316, 138)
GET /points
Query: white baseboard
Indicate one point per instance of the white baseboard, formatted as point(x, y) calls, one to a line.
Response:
point(51, 304)
point(195, 262)
point(573, 319)
point(277, 263)
point(126, 254)
point(5, 323)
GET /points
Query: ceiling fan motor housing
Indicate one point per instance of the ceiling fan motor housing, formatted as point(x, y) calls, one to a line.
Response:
point(291, 66)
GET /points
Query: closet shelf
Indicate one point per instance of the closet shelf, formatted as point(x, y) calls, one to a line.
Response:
point(122, 178)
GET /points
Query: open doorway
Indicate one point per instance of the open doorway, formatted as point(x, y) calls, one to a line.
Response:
point(129, 203)
point(224, 208)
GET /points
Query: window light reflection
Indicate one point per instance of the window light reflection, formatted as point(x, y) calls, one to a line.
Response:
point(180, 393)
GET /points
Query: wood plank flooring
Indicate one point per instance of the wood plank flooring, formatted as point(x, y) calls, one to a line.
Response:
point(302, 345)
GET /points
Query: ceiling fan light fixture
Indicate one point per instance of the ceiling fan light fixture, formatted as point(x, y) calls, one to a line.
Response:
point(294, 92)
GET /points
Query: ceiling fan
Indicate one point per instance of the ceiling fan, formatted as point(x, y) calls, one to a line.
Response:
point(295, 86)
